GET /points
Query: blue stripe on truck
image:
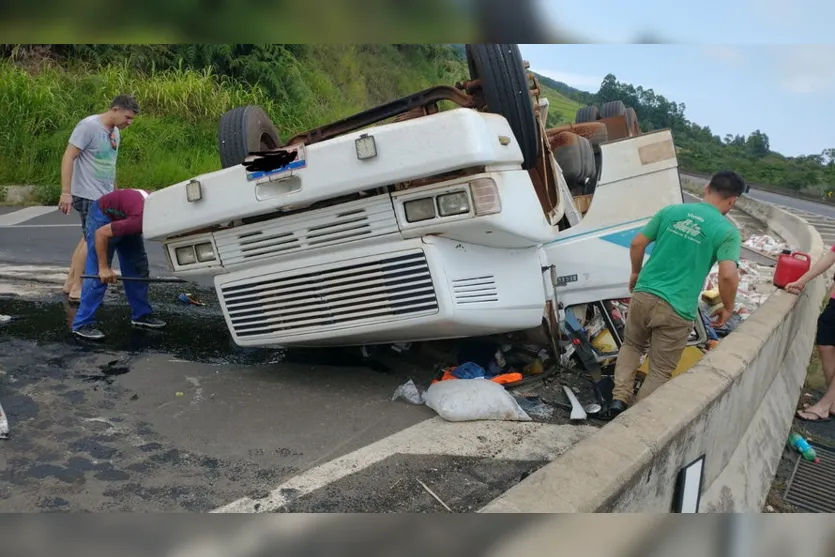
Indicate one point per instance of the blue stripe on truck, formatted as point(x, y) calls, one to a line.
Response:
point(624, 238)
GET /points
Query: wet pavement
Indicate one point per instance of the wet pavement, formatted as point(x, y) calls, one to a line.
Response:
point(173, 420)
point(184, 420)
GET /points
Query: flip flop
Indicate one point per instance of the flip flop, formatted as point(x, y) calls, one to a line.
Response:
point(817, 418)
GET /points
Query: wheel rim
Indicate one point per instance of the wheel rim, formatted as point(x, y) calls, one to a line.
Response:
point(266, 142)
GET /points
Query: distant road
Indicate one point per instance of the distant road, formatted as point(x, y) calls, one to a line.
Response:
point(822, 209)
point(819, 215)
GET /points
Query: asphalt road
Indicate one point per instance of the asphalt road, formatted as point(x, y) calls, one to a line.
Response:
point(184, 420)
point(49, 238)
point(819, 215)
point(794, 203)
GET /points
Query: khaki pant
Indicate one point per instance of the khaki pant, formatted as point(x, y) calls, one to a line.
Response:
point(651, 324)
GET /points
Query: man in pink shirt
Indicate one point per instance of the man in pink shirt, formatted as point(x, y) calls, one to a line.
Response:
point(114, 224)
point(823, 409)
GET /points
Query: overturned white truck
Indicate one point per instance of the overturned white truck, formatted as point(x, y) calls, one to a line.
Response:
point(409, 223)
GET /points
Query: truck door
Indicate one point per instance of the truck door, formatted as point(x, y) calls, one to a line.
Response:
point(639, 177)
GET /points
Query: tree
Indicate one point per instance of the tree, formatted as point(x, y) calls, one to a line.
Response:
point(757, 144)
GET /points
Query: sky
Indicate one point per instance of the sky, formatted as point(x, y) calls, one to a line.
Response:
point(738, 65)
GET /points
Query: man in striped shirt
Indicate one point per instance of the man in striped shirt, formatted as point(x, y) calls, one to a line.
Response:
point(114, 224)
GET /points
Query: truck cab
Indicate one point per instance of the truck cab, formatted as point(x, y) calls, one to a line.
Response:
point(409, 223)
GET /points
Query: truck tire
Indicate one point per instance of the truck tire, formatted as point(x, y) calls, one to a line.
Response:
point(245, 129)
point(595, 132)
point(573, 154)
point(589, 166)
point(612, 108)
point(587, 114)
point(591, 185)
point(632, 122)
point(504, 83)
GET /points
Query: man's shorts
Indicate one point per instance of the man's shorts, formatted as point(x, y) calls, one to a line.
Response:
point(82, 205)
point(826, 325)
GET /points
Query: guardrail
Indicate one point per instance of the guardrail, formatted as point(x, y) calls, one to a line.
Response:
point(722, 425)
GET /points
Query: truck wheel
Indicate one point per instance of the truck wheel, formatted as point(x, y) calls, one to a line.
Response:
point(612, 108)
point(507, 93)
point(571, 156)
point(587, 114)
point(632, 122)
point(595, 132)
point(245, 129)
point(589, 167)
point(591, 185)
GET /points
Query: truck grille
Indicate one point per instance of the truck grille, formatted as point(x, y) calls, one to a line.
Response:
point(373, 291)
point(325, 227)
point(476, 290)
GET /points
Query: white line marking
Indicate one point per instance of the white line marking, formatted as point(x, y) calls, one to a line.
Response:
point(27, 213)
point(40, 225)
point(77, 225)
point(529, 441)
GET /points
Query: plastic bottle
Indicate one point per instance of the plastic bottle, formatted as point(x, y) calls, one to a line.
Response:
point(798, 443)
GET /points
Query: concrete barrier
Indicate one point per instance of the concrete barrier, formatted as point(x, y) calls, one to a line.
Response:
point(734, 408)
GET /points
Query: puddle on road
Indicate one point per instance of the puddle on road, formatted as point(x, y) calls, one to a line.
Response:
point(193, 333)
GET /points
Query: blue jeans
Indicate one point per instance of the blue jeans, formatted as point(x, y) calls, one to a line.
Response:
point(133, 262)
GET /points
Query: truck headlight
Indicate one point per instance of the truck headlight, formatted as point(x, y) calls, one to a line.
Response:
point(456, 203)
point(185, 255)
point(205, 252)
point(419, 209)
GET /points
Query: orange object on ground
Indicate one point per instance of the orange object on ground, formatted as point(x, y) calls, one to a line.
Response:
point(503, 379)
point(507, 378)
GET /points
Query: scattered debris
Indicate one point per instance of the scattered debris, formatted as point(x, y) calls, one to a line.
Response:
point(765, 245)
point(535, 407)
point(577, 412)
point(401, 347)
point(432, 493)
point(409, 392)
point(593, 408)
point(189, 299)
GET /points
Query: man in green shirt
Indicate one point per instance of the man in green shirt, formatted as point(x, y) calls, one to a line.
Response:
point(689, 239)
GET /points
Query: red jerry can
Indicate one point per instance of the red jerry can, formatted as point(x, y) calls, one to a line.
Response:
point(790, 267)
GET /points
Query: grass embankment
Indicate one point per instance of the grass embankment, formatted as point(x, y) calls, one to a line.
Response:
point(559, 105)
point(175, 136)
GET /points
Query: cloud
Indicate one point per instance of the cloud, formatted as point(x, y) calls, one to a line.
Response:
point(724, 53)
point(805, 69)
point(579, 81)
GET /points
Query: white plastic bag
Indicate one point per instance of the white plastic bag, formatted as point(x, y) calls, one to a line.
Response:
point(409, 392)
point(463, 400)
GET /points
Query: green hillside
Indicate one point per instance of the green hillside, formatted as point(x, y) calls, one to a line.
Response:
point(701, 150)
point(182, 91)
